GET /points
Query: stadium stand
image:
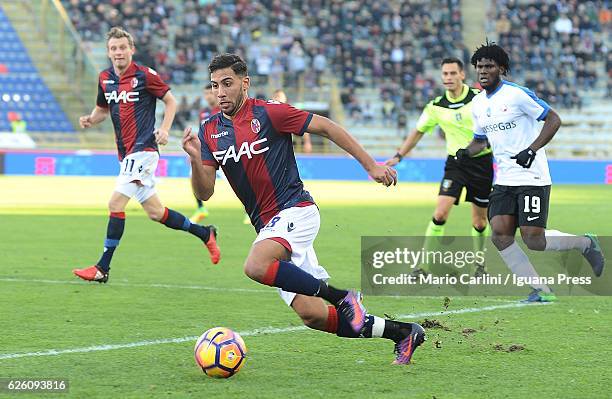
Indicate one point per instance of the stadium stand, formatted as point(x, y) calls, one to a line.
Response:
point(376, 63)
point(548, 34)
point(561, 49)
point(22, 91)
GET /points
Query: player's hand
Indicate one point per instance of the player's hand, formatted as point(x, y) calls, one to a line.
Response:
point(397, 158)
point(161, 136)
point(525, 158)
point(462, 154)
point(85, 122)
point(191, 144)
point(383, 174)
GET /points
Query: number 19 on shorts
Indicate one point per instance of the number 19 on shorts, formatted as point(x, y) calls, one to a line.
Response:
point(532, 204)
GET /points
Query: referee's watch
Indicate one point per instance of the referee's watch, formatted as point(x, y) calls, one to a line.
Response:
point(398, 156)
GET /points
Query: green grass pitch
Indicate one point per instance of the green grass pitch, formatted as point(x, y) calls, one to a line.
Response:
point(163, 287)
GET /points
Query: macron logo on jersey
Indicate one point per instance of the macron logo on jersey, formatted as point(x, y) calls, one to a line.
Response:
point(245, 149)
point(216, 136)
point(123, 96)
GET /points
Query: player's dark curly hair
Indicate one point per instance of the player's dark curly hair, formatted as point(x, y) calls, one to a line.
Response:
point(492, 51)
point(227, 60)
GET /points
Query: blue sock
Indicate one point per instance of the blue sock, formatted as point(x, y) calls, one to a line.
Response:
point(289, 277)
point(177, 221)
point(114, 231)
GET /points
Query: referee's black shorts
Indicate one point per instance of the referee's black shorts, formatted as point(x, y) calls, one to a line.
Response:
point(475, 174)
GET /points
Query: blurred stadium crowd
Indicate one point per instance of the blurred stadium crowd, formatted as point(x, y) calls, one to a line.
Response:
point(390, 46)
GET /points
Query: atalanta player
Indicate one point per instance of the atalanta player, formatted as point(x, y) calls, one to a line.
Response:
point(507, 115)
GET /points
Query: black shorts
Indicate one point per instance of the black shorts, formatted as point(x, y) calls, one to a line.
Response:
point(529, 204)
point(475, 174)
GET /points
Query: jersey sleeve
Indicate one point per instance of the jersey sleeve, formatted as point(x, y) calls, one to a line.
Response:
point(155, 85)
point(207, 156)
point(101, 100)
point(288, 119)
point(531, 105)
point(427, 121)
point(479, 133)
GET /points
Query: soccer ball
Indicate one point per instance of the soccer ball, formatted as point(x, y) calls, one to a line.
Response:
point(220, 352)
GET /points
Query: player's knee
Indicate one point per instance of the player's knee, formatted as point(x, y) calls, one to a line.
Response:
point(155, 214)
point(313, 320)
point(254, 270)
point(115, 206)
point(535, 242)
point(440, 215)
point(501, 240)
point(311, 316)
point(479, 223)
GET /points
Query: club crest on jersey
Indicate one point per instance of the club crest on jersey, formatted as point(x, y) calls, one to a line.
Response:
point(504, 108)
point(458, 117)
point(246, 148)
point(123, 96)
point(134, 82)
point(255, 125)
point(488, 111)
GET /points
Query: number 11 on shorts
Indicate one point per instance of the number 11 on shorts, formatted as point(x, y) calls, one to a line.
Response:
point(532, 206)
point(127, 162)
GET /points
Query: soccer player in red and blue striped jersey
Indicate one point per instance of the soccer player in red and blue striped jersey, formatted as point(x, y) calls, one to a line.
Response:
point(128, 92)
point(251, 140)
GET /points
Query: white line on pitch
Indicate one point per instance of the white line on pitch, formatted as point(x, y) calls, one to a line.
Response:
point(208, 288)
point(258, 331)
point(139, 285)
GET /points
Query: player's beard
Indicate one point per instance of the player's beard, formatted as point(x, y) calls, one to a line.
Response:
point(237, 104)
point(493, 85)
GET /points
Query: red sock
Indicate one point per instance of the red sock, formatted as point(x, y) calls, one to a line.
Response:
point(331, 325)
point(270, 275)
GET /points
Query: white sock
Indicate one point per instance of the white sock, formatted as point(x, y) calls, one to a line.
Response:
point(378, 327)
point(559, 241)
point(518, 262)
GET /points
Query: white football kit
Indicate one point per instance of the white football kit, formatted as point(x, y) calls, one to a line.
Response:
point(508, 118)
point(137, 175)
point(297, 227)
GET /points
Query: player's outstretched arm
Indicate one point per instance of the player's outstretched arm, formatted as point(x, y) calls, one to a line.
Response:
point(97, 115)
point(202, 176)
point(411, 141)
point(161, 134)
point(326, 128)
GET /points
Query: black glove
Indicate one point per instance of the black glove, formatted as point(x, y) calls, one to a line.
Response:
point(462, 154)
point(525, 158)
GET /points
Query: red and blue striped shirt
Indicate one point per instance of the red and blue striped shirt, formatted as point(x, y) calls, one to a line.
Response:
point(131, 100)
point(255, 151)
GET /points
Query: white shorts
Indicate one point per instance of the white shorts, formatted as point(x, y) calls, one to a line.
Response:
point(297, 228)
point(137, 175)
